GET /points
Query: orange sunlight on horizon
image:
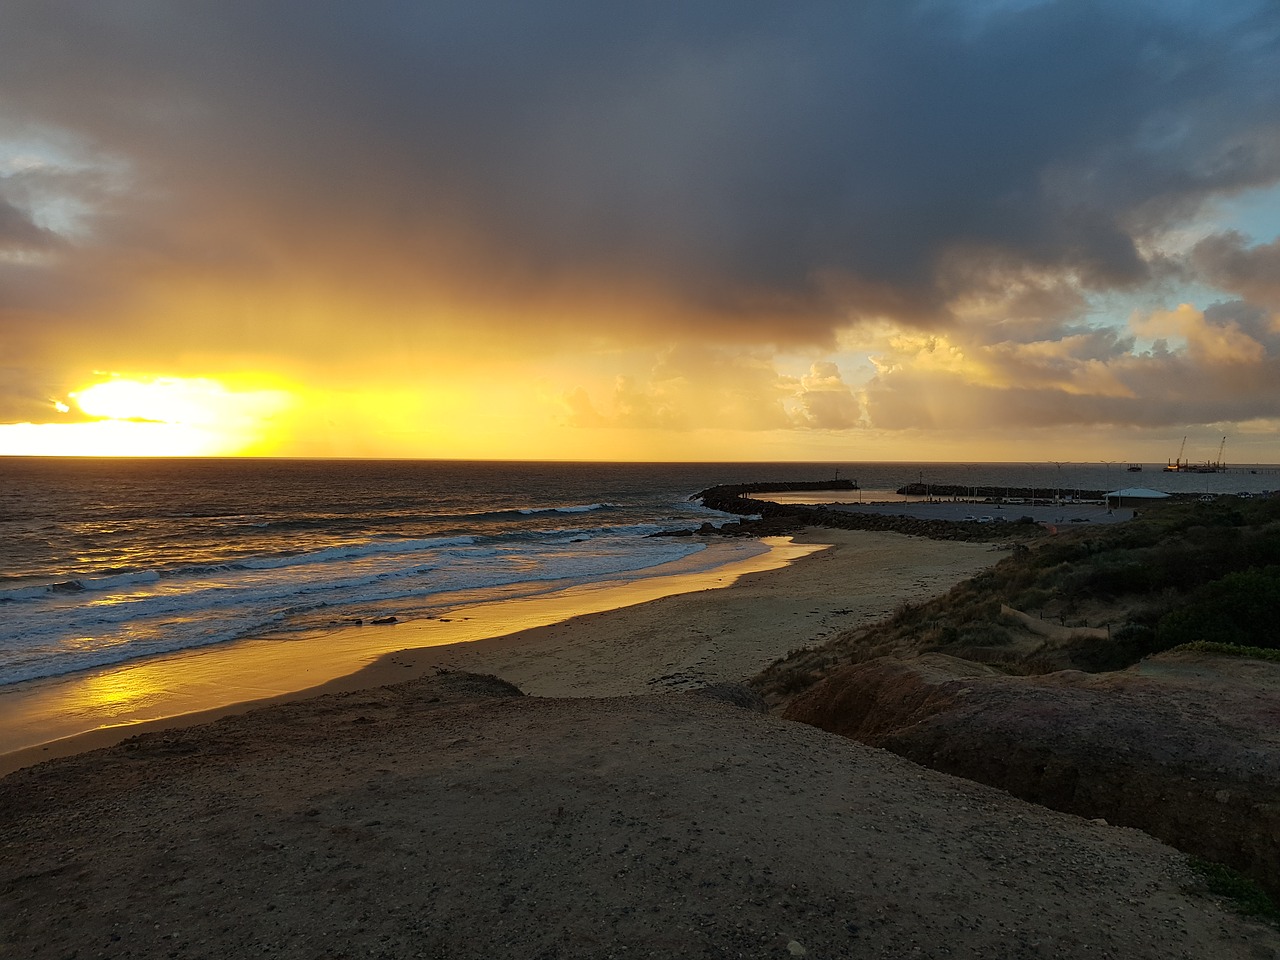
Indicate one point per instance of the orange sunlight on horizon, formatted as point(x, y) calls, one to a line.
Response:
point(234, 416)
point(441, 415)
point(153, 417)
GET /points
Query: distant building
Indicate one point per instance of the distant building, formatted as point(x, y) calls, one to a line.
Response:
point(1134, 497)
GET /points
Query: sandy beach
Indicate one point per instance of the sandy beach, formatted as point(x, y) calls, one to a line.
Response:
point(444, 818)
point(692, 639)
point(614, 812)
point(665, 632)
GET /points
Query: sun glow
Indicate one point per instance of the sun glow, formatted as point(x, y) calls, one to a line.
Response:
point(153, 417)
point(163, 400)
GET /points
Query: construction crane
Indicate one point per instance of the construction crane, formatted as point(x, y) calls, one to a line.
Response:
point(1222, 449)
point(1176, 465)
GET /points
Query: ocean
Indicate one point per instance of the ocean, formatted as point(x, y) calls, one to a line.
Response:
point(105, 561)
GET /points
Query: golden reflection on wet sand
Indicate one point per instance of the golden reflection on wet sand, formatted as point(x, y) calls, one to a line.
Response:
point(203, 679)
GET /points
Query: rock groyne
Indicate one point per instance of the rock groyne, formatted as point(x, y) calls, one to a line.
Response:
point(949, 491)
point(780, 518)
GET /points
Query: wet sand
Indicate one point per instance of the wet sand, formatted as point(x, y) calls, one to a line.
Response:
point(189, 685)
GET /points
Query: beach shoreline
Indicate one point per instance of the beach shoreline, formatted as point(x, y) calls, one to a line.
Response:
point(186, 686)
point(658, 633)
point(629, 806)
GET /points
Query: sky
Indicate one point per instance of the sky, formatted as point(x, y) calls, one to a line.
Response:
point(923, 230)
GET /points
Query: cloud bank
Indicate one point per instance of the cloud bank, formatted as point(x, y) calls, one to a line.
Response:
point(714, 179)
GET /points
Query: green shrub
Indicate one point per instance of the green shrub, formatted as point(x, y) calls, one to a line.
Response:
point(1229, 650)
point(985, 634)
point(1262, 549)
point(1241, 608)
point(1247, 896)
point(1031, 599)
point(906, 613)
point(1131, 578)
point(939, 635)
point(1125, 647)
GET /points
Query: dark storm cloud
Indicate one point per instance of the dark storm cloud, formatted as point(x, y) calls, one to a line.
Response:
point(18, 233)
point(778, 169)
point(1228, 261)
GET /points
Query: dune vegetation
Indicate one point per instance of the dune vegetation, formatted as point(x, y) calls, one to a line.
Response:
point(1095, 599)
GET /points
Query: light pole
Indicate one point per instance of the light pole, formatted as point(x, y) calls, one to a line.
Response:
point(1034, 467)
point(972, 491)
point(1057, 490)
point(1109, 483)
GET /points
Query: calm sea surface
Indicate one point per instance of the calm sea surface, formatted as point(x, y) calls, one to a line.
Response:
point(104, 561)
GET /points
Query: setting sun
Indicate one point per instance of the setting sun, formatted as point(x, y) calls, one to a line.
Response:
point(155, 417)
point(163, 400)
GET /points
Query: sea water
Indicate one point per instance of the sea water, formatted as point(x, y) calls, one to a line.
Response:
point(105, 561)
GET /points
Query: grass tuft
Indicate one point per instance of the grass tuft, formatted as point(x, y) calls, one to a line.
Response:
point(1244, 894)
point(1229, 650)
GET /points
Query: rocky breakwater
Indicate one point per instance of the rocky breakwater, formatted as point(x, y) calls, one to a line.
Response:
point(769, 518)
point(1183, 746)
point(1017, 494)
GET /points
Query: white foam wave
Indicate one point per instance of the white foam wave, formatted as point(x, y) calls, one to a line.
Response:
point(343, 552)
point(581, 508)
point(79, 629)
point(352, 551)
point(119, 580)
point(81, 585)
point(15, 594)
